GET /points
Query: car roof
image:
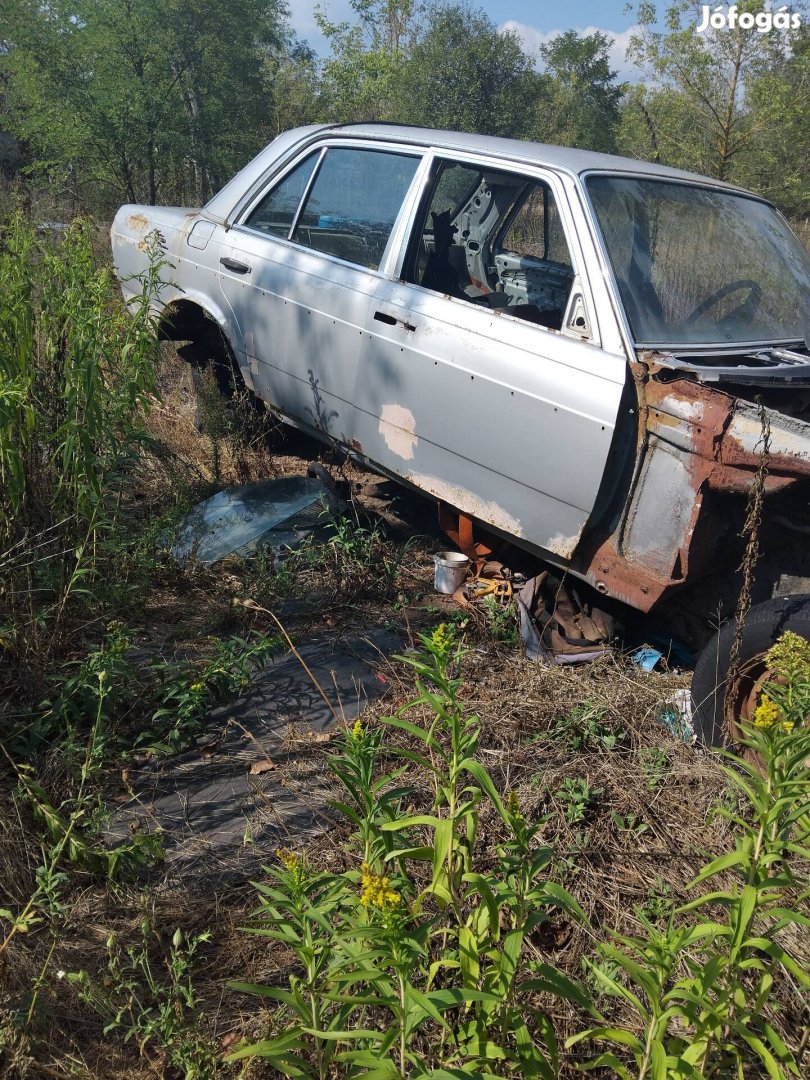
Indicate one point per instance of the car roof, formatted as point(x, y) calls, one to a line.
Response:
point(566, 158)
point(516, 151)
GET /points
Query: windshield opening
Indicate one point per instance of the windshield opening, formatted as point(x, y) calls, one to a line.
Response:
point(696, 266)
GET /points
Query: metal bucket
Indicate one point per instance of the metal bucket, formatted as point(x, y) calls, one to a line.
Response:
point(451, 570)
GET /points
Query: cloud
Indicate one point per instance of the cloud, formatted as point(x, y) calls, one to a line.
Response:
point(532, 38)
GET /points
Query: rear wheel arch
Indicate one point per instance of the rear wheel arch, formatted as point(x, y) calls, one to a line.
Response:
point(202, 341)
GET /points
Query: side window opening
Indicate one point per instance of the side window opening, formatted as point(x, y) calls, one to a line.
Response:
point(495, 239)
point(352, 206)
point(275, 213)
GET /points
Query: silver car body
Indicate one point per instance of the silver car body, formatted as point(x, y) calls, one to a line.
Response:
point(564, 438)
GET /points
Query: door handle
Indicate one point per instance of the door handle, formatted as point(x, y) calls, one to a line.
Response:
point(392, 320)
point(237, 267)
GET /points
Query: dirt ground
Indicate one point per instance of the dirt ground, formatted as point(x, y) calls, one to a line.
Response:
point(647, 824)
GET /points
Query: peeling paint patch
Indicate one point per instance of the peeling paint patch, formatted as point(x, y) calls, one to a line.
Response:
point(563, 545)
point(680, 407)
point(250, 347)
point(468, 503)
point(397, 427)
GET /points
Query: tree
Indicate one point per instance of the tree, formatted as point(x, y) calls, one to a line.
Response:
point(780, 167)
point(696, 113)
point(578, 96)
point(156, 99)
point(465, 73)
point(361, 76)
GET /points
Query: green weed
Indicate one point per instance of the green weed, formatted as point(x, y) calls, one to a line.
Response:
point(77, 375)
point(629, 823)
point(655, 766)
point(154, 1003)
point(417, 951)
point(578, 798)
point(584, 728)
point(701, 989)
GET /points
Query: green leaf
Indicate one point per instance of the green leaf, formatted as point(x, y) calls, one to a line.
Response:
point(716, 866)
point(560, 897)
point(483, 779)
point(442, 839)
point(658, 1061)
point(348, 1035)
point(548, 980)
point(770, 948)
point(617, 1035)
point(272, 992)
point(376, 1068)
point(411, 823)
point(468, 956)
point(747, 906)
point(270, 1048)
point(420, 854)
point(412, 729)
point(608, 1061)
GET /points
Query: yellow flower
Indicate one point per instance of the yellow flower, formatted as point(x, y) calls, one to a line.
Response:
point(767, 714)
point(790, 657)
point(290, 861)
point(513, 805)
point(376, 890)
point(788, 726)
point(197, 686)
point(357, 730)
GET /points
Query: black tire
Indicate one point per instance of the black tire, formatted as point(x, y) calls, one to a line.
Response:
point(764, 624)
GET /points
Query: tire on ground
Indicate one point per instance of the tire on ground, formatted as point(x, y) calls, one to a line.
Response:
point(764, 624)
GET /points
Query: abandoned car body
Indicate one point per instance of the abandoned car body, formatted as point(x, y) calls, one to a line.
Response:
point(580, 352)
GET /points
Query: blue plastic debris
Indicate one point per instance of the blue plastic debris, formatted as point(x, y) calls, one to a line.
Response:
point(676, 716)
point(646, 657)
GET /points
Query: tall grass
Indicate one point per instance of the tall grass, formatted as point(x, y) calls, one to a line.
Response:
point(76, 374)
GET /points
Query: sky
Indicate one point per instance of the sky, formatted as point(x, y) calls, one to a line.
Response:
point(536, 21)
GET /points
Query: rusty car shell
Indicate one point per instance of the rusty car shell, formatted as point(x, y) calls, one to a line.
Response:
point(617, 462)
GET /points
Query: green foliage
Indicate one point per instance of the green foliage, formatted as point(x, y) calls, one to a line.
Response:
point(154, 1002)
point(578, 96)
point(780, 93)
point(583, 728)
point(465, 73)
point(501, 619)
point(693, 111)
point(398, 976)
point(77, 372)
point(354, 559)
point(658, 903)
point(578, 798)
point(173, 696)
point(159, 100)
point(655, 766)
point(364, 72)
point(702, 989)
point(185, 693)
point(629, 823)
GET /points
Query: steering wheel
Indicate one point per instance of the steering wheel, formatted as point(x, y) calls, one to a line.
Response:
point(751, 301)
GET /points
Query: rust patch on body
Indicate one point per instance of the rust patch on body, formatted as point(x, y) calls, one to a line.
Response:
point(138, 222)
point(701, 440)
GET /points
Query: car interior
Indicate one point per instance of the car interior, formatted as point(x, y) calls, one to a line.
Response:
point(493, 239)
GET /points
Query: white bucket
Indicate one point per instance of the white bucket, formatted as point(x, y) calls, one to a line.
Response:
point(451, 570)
